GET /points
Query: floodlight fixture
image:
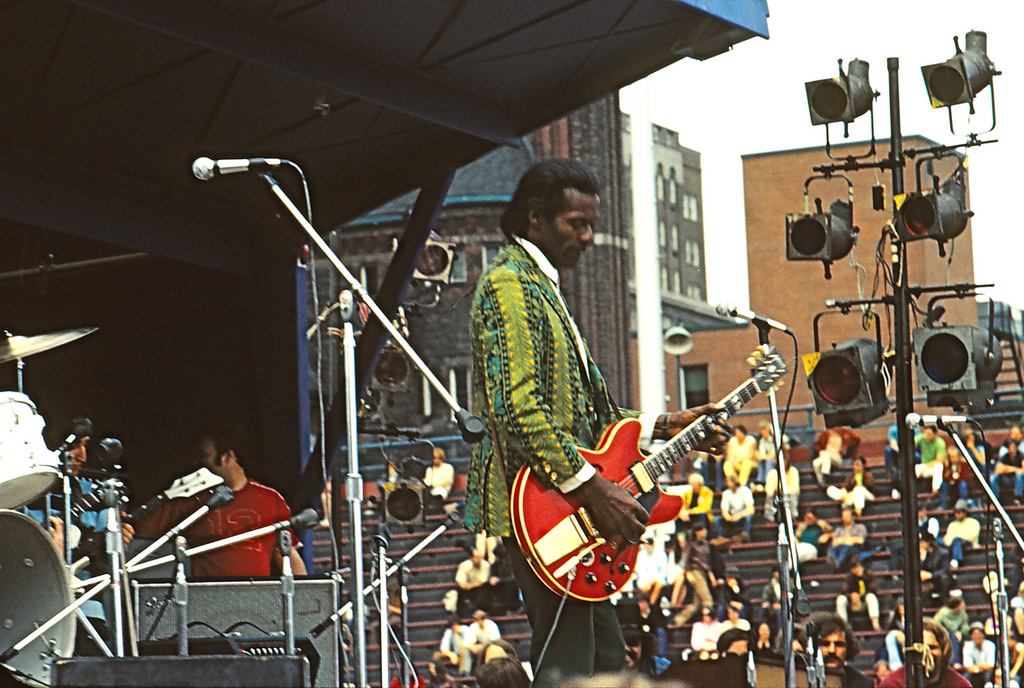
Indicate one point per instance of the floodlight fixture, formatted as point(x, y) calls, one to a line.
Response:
point(840, 99)
point(960, 78)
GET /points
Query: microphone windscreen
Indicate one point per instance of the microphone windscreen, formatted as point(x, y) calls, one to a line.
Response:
point(307, 518)
point(222, 495)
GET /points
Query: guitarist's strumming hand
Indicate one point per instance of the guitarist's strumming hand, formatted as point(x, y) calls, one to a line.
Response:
point(668, 425)
point(617, 515)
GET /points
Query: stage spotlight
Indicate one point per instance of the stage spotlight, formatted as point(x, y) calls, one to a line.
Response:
point(840, 99)
point(957, 365)
point(847, 384)
point(940, 215)
point(821, 236)
point(435, 264)
point(961, 77)
point(403, 504)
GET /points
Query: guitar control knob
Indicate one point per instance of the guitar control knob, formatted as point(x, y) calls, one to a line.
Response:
point(606, 558)
point(591, 577)
point(609, 586)
point(623, 567)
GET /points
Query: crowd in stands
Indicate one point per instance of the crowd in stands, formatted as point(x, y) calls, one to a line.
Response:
point(683, 581)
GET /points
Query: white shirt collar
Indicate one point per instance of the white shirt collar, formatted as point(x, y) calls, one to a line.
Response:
point(542, 261)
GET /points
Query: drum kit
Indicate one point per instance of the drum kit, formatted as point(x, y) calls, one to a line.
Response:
point(35, 583)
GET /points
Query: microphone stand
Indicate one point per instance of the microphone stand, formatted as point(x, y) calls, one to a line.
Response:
point(381, 539)
point(115, 544)
point(449, 522)
point(471, 426)
point(284, 540)
point(793, 598)
point(181, 595)
point(997, 537)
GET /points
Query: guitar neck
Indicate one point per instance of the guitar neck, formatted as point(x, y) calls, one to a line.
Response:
point(675, 449)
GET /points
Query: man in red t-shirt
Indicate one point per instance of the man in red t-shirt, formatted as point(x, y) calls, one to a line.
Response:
point(255, 505)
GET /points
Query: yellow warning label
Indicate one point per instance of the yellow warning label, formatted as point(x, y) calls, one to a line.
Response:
point(811, 362)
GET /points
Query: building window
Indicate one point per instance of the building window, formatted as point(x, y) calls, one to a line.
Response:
point(659, 185)
point(664, 278)
point(672, 186)
point(694, 292)
point(677, 281)
point(691, 209)
point(693, 385)
point(675, 238)
point(692, 253)
point(458, 272)
point(661, 232)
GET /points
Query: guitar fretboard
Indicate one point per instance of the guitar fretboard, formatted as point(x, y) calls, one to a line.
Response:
point(696, 432)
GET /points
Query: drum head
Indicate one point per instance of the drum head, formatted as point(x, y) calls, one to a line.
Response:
point(34, 586)
point(27, 467)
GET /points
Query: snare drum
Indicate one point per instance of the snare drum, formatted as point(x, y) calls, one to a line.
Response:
point(27, 467)
point(34, 586)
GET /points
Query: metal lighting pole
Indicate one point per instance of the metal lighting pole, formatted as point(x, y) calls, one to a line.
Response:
point(905, 404)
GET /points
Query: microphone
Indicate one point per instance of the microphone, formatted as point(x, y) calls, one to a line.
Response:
point(307, 518)
point(80, 427)
point(916, 420)
point(205, 169)
point(222, 496)
point(728, 311)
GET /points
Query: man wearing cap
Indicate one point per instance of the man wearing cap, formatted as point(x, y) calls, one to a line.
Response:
point(979, 656)
point(962, 532)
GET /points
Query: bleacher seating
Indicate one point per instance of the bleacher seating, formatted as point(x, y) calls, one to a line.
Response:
point(433, 569)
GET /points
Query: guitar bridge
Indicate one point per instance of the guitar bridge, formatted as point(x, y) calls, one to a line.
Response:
point(567, 537)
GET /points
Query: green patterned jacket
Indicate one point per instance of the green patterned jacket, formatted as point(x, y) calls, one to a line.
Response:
point(527, 377)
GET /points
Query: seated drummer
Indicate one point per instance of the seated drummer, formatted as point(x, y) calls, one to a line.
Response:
point(254, 506)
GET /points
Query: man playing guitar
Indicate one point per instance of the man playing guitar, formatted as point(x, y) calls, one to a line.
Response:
point(543, 396)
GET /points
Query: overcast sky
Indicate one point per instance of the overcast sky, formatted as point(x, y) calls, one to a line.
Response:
point(752, 100)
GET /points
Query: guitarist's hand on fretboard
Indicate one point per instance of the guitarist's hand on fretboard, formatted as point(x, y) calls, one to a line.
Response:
point(670, 424)
point(617, 515)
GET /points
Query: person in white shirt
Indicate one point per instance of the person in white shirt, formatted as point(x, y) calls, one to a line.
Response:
point(651, 570)
point(737, 510)
point(439, 477)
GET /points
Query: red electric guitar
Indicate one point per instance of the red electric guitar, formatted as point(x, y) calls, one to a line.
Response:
point(558, 536)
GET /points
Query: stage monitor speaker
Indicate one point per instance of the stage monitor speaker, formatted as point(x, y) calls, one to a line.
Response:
point(203, 671)
point(244, 608)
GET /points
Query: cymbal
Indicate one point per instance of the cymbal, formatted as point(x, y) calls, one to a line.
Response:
point(13, 346)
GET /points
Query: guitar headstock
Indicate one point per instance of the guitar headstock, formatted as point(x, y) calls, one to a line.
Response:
point(768, 367)
point(193, 483)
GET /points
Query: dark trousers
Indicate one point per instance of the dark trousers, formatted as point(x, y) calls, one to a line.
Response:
point(586, 640)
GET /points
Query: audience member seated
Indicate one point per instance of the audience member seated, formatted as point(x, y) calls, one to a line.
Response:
point(651, 570)
point(733, 590)
point(931, 455)
point(733, 619)
point(473, 578)
point(480, 633)
point(676, 567)
point(1009, 471)
point(812, 533)
point(740, 455)
point(893, 643)
point(704, 634)
point(956, 478)
point(961, 533)
point(953, 617)
point(697, 498)
point(737, 511)
point(764, 640)
point(935, 573)
point(504, 590)
point(502, 672)
point(771, 601)
point(858, 490)
point(733, 641)
point(892, 457)
point(651, 621)
point(766, 451)
point(439, 478)
point(849, 541)
point(830, 448)
point(925, 524)
point(704, 569)
point(859, 594)
point(455, 648)
point(771, 488)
